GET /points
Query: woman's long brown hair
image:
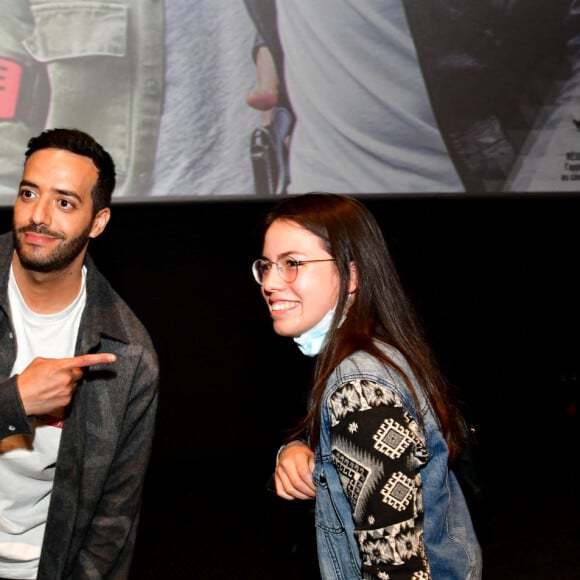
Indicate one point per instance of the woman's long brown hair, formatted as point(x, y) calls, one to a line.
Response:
point(381, 309)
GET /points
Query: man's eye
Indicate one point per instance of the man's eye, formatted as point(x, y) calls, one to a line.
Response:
point(65, 203)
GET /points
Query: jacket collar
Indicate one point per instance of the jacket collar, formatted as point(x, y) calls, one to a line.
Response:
point(100, 318)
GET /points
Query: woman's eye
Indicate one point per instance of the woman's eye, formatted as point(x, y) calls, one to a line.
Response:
point(292, 263)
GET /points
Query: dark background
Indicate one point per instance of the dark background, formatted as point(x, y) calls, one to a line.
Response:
point(497, 283)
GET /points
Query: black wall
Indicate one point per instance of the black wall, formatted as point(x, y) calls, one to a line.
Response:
point(496, 281)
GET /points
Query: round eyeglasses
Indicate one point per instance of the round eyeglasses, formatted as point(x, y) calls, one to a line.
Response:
point(287, 268)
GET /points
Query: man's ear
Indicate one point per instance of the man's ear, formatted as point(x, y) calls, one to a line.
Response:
point(100, 222)
point(353, 280)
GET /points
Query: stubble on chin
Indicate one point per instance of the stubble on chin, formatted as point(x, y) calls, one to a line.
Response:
point(49, 260)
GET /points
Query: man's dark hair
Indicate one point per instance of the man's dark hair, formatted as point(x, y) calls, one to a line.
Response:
point(83, 144)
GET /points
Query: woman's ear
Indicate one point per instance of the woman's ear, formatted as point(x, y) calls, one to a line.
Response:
point(353, 280)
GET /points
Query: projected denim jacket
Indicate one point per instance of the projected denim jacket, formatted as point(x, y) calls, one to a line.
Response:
point(112, 53)
point(451, 544)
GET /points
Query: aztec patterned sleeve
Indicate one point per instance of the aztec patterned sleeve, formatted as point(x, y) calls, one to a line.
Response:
point(378, 450)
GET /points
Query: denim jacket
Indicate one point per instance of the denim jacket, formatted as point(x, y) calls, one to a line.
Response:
point(451, 544)
point(106, 439)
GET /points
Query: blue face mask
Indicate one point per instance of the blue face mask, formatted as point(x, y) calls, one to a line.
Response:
point(310, 342)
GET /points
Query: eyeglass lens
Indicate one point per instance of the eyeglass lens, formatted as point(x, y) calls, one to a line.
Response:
point(288, 269)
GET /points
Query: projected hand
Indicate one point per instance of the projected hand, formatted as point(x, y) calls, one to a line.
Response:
point(265, 97)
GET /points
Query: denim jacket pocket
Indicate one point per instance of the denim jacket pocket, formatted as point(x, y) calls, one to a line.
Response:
point(76, 29)
point(338, 555)
point(85, 49)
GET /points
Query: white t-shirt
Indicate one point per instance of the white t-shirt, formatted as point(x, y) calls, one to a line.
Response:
point(204, 136)
point(364, 120)
point(27, 464)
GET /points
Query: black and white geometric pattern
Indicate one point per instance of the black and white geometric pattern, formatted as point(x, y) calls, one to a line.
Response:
point(392, 439)
point(398, 491)
point(359, 474)
point(378, 451)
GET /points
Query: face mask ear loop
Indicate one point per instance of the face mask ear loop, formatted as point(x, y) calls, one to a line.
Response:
point(310, 342)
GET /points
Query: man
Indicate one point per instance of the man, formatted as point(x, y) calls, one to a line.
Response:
point(78, 376)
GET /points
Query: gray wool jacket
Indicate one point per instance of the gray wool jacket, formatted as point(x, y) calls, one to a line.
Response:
point(106, 440)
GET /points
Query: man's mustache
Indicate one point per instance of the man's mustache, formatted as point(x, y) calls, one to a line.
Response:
point(41, 230)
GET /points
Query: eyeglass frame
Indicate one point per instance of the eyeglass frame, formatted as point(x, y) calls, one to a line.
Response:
point(279, 269)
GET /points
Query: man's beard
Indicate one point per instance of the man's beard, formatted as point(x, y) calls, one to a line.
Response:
point(61, 257)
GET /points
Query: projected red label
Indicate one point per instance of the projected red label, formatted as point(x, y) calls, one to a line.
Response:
point(10, 74)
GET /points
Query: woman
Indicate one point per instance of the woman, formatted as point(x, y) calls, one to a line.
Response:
point(380, 431)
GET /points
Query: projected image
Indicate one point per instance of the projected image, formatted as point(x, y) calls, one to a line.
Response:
point(404, 96)
point(161, 85)
point(258, 98)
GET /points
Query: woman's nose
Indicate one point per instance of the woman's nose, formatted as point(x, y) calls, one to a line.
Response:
point(272, 279)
